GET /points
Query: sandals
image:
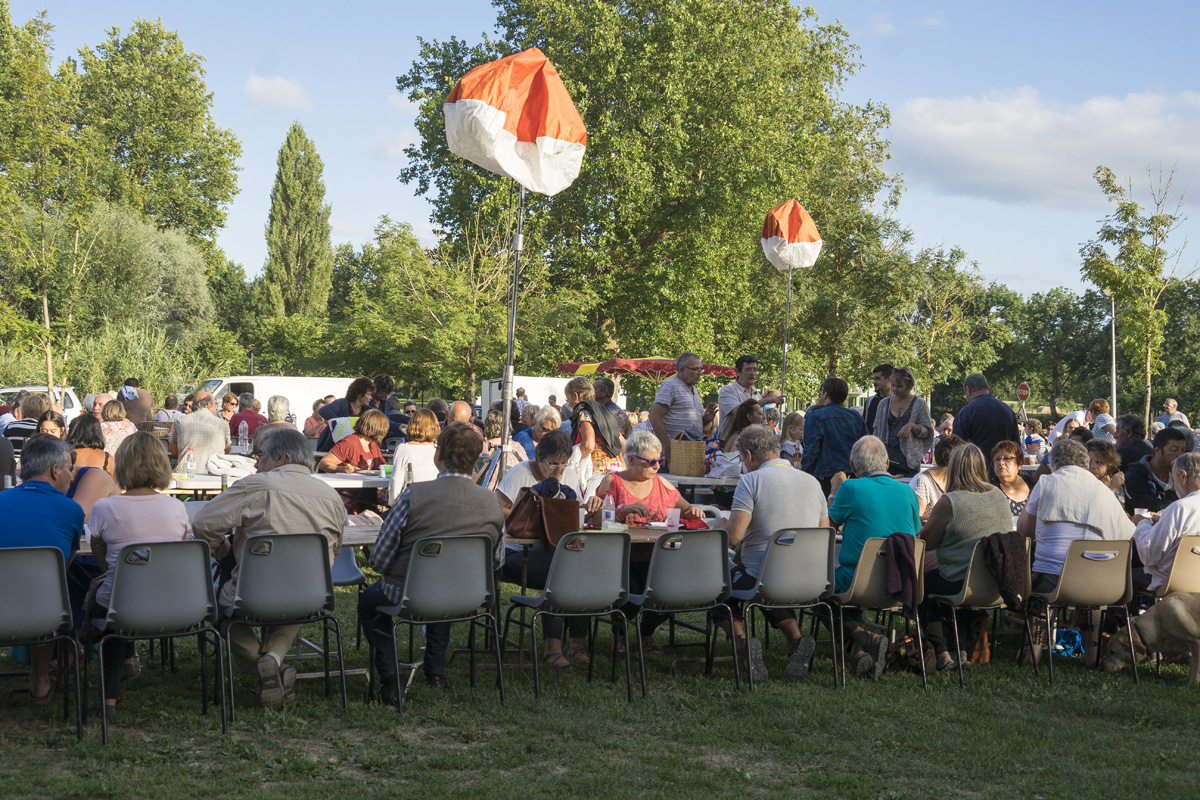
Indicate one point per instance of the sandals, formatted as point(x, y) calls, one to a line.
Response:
point(41, 700)
point(579, 655)
point(556, 660)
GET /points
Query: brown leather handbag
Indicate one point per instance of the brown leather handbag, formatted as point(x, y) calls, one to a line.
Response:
point(545, 518)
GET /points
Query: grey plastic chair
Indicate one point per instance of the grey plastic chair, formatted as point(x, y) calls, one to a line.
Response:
point(797, 573)
point(163, 590)
point(979, 592)
point(1096, 575)
point(37, 609)
point(285, 579)
point(345, 572)
point(689, 571)
point(589, 577)
point(449, 579)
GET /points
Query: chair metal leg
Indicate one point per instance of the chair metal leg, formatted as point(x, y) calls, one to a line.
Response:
point(229, 662)
point(840, 639)
point(537, 680)
point(628, 659)
point(103, 698)
point(401, 693)
point(637, 632)
point(1049, 645)
point(471, 651)
point(592, 647)
point(1132, 655)
point(337, 632)
point(325, 653)
point(957, 645)
point(921, 650)
point(203, 674)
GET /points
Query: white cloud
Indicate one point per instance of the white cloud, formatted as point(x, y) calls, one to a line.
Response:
point(403, 104)
point(346, 230)
point(882, 26)
point(390, 146)
point(278, 94)
point(1017, 146)
point(936, 21)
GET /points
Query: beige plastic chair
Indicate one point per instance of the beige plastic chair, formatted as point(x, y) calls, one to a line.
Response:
point(867, 591)
point(979, 593)
point(1096, 575)
point(1185, 570)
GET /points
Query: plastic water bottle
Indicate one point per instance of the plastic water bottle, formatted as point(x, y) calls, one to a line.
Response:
point(189, 464)
point(608, 516)
point(244, 437)
point(408, 479)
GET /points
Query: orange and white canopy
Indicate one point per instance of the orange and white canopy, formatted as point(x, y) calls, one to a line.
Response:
point(515, 118)
point(789, 237)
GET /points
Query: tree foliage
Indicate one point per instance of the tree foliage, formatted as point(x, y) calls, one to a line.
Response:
point(299, 253)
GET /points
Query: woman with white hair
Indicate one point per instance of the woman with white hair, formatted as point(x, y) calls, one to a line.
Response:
point(641, 496)
point(542, 421)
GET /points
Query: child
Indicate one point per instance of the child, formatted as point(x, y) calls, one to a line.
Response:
point(1034, 441)
point(791, 445)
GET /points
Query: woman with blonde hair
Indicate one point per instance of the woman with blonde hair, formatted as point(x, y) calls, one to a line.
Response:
point(229, 406)
point(971, 509)
point(417, 452)
point(356, 452)
point(115, 426)
point(791, 437)
point(141, 514)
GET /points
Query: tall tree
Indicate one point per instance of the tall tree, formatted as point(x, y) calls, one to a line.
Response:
point(144, 95)
point(299, 254)
point(1143, 263)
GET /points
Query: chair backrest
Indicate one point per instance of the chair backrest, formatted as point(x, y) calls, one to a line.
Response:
point(711, 512)
point(345, 569)
point(868, 590)
point(1185, 569)
point(449, 577)
point(589, 573)
point(284, 577)
point(688, 569)
point(194, 507)
point(161, 588)
point(1095, 573)
point(798, 567)
point(980, 589)
point(33, 594)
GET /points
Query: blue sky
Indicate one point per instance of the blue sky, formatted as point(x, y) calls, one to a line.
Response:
point(1000, 111)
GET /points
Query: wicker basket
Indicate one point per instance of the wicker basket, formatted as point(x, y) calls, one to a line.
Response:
point(159, 429)
point(687, 458)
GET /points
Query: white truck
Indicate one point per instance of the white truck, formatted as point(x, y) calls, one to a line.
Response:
point(300, 392)
point(537, 390)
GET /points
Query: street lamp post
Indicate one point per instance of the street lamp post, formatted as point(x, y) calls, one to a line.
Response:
point(1108, 293)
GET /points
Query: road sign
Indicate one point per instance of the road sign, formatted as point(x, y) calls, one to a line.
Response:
point(1023, 392)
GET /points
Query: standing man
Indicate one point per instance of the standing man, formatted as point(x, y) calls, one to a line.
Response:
point(985, 420)
point(677, 407)
point(1131, 440)
point(604, 388)
point(137, 401)
point(38, 514)
point(830, 430)
point(202, 430)
point(881, 377)
point(451, 505)
point(742, 389)
point(1171, 413)
point(283, 497)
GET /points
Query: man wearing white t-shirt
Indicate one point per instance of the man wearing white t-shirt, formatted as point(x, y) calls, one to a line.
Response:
point(738, 392)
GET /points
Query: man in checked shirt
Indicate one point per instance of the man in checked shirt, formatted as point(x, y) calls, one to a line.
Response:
point(451, 505)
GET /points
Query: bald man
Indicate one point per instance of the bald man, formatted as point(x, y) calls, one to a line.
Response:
point(202, 430)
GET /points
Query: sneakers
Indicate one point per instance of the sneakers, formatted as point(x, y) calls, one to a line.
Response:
point(878, 651)
point(749, 651)
point(861, 664)
point(287, 679)
point(270, 682)
point(132, 669)
point(796, 668)
point(964, 659)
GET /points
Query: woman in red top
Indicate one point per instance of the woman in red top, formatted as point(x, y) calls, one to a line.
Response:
point(356, 452)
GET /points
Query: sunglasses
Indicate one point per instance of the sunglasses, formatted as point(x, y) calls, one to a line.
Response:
point(657, 463)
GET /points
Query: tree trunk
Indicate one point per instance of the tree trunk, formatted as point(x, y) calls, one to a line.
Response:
point(1146, 408)
point(1053, 390)
point(48, 346)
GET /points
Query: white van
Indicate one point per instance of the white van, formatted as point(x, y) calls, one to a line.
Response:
point(65, 397)
point(300, 392)
point(537, 389)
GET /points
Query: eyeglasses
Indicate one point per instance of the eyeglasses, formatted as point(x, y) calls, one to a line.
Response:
point(696, 368)
point(657, 463)
point(553, 467)
point(1004, 459)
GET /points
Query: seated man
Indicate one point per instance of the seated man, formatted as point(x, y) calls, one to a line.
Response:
point(283, 497)
point(1148, 480)
point(772, 496)
point(1157, 536)
point(246, 413)
point(1131, 440)
point(38, 514)
point(451, 505)
point(873, 504)
point(202, 430)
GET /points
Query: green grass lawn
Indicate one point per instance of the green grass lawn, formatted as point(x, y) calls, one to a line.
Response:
point(1008, 734)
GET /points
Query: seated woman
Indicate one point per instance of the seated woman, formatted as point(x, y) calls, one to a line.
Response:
point(971, 509)
point(88, 437)
point(52, 424)
point(493, 428)
point(1105, 464)
point(930, 485)
point(356, 452)
point(416, 452)
point(791, 436)
point(139, 515)
point(115, 426)
point(314, 424)
point(229, 406)
point(1066, 505)
point(551, 460)
point(747, 414)
point(594, 428)
point(1006, 463)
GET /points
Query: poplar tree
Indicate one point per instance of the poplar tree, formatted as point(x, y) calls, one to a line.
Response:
point(299, 265)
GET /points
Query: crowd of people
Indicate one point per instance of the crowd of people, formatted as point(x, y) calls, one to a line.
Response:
point(884, 467)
